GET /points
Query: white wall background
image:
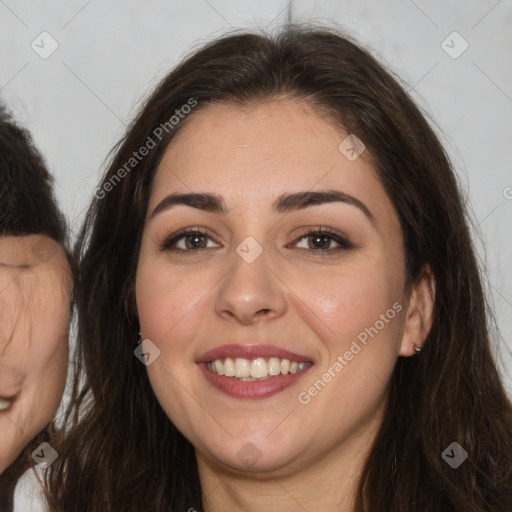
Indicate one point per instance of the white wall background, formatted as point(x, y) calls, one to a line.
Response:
point(77, 101)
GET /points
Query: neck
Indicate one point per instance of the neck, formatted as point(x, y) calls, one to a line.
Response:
point(327, 482)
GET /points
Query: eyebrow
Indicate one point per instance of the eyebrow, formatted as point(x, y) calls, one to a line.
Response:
point(285, 203)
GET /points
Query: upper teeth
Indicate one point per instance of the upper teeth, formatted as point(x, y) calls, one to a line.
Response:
point(255, 368)
point(4, 404)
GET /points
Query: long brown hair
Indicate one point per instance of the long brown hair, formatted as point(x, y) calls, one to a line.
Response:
point(121, 452)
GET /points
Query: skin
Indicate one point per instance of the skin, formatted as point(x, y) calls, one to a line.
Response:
point(310, 302)
point(35, 291)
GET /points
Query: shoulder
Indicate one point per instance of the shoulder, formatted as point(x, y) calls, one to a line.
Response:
point(28, 496)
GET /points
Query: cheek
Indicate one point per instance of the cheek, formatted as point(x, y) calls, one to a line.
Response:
point(46, 390)
point(165, 299)
point(47, 375)
point(349, 300)
point(356, 313)
point(170, 306)
point(52, 366)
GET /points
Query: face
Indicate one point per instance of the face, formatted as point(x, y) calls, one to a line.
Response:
point(303, 301)
point(35, 288)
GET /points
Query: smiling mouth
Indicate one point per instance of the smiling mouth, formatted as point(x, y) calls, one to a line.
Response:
point(255, 369)
point(4, 404)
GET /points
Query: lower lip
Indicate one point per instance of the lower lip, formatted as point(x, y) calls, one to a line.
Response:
point(252, 389)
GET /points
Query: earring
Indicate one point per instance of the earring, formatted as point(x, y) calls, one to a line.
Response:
point(417, 348)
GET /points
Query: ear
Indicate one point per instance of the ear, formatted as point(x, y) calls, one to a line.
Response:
point(419, 316)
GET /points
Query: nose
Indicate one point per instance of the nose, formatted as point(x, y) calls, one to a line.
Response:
point(251, 292)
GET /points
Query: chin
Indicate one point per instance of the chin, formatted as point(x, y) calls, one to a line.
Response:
point(252, 453)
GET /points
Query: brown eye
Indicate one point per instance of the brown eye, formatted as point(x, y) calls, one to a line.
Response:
point(322, 240)
point(188, 241)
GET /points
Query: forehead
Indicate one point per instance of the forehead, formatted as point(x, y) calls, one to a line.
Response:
point(252, 154)
point(32, 251)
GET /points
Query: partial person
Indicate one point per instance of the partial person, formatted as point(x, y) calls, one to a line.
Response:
point(36, 278)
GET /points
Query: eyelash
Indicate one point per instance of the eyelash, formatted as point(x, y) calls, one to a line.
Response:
point(344, 244)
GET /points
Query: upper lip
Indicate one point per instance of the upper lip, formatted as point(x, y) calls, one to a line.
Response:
point(250, 352)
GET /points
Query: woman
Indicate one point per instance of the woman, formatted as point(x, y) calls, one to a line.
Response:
point(279, 306)
point(35, 288)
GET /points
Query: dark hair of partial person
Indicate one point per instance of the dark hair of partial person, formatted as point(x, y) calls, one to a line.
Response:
point(27, 207)
point(121, 452)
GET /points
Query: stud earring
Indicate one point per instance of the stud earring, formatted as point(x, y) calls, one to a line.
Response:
point(417, 348)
